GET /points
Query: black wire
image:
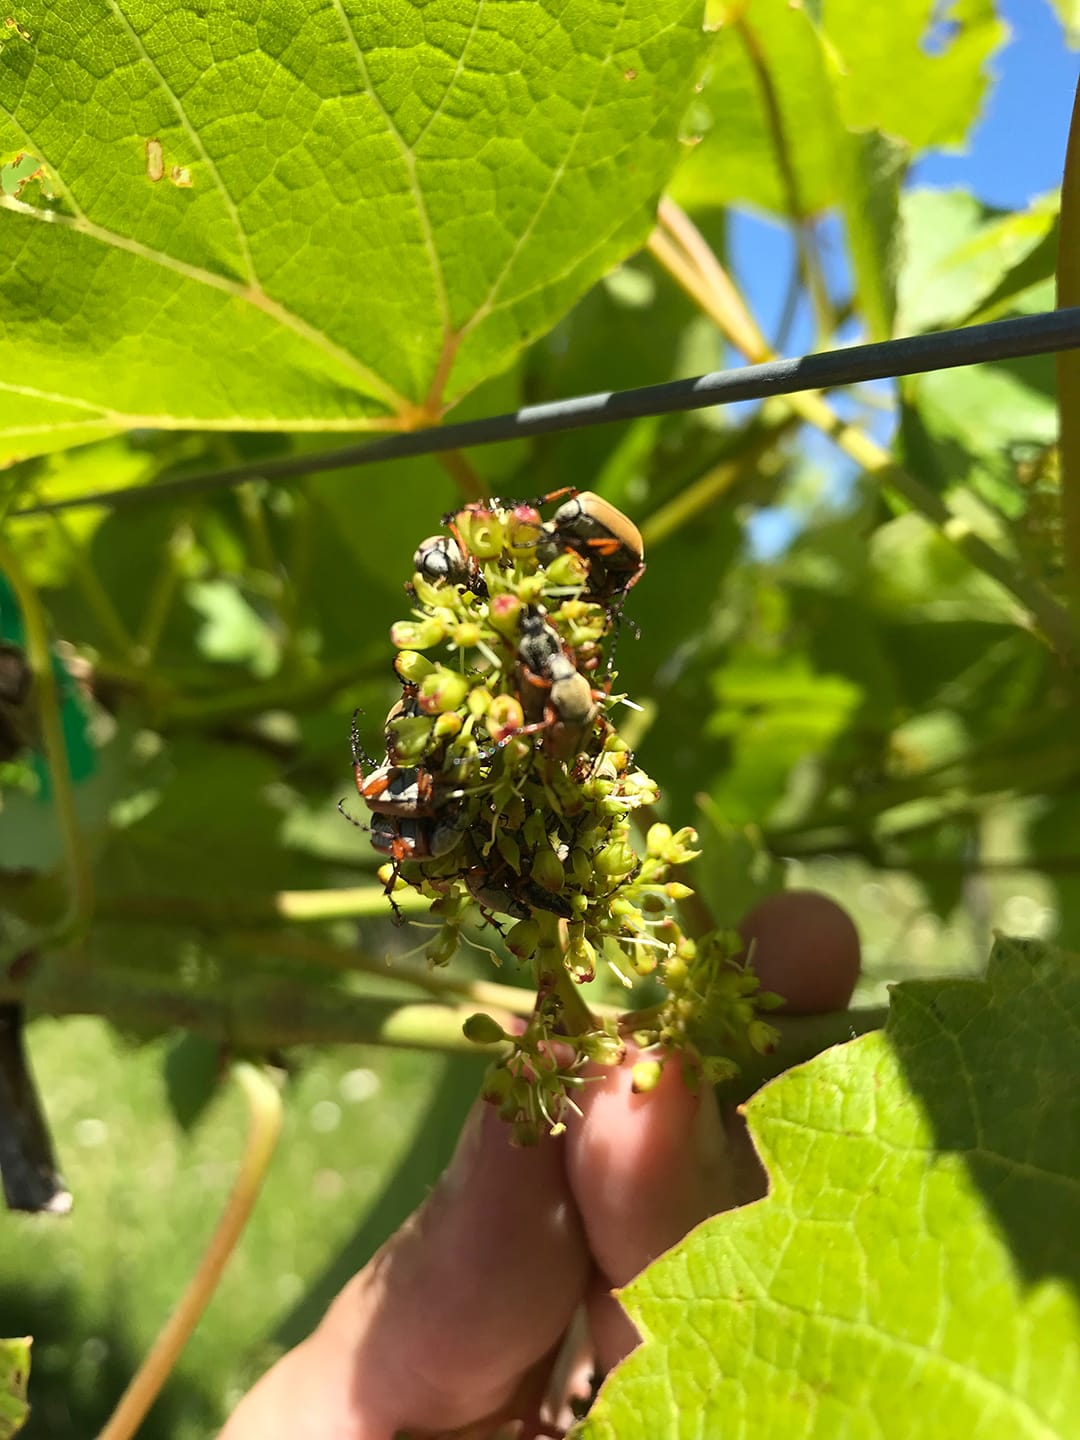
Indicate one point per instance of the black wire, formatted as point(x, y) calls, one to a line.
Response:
point(1049, 331)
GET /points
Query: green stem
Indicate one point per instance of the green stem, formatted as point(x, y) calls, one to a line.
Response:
point(163, 592)
point(256, 1015)
point(38, 652)
point(439, 983)
point(285, 906)
point(802, 229)
point(551, 973)
point(95, 594)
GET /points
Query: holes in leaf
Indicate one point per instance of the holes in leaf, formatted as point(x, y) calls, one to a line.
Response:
point(179, 175)
point(22, 170)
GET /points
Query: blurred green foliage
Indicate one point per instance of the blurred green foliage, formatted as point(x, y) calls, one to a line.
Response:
point(863, 711)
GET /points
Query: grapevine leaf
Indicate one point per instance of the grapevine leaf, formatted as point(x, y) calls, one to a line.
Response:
point(1068, 12)
point(14, 1373)
point(325, 216)
point(871, 170)
point(915, 1256)
point(815, 73)
point(972, 426)
point(959, 257)
point(734, 158)
point(918, 73)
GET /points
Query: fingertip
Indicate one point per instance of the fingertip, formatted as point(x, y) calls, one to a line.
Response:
point(643, 1168)
point(805, 947)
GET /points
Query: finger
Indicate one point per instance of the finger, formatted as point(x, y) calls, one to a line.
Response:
point(448, 1319)
point(805, 947)
point(644, 1169)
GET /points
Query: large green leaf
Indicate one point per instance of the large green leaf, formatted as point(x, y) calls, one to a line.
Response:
point(815, 73)
point(913, 1270)
point(734, 158)
point(917, 71)
point(319, 215)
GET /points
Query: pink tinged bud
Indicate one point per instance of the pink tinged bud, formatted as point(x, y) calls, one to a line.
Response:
point(448, 725)
point(504, 716)
point(483, 532)
point(523, 939)
point(442, 690)
point(763, 1037)
point(523, 528)
point(503, 613)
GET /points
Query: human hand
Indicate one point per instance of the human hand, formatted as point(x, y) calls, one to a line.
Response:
point(461, 1321)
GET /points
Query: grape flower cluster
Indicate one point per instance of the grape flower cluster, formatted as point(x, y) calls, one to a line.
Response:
point(506, 789)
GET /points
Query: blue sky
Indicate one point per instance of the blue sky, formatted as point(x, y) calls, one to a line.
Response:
point(1015, 152)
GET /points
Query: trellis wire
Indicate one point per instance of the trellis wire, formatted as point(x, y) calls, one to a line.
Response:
point(1044, 333)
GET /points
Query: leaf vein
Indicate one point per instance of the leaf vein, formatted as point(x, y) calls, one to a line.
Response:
point(193, 136)
point(409, 161)
point(251, 295)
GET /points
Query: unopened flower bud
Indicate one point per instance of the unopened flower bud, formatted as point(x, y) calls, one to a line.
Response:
point(719, 1069)
point(615, 859)
point(658, 839)
point(523, 938)
point(763, 1037)
point(412, 667)
point(417, 634)
point(442, 690)
point(568, 569)
point(504, 613)
point(524, 1134)
point(483, 1029)
point(497, 1085)
point(448, 725)
point(675, 972)
point(547, 870)
point(676, 891)
point(523, 530)
point(581, 959)
point(479, 701)
point(645, 1076)
point(465, 635)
